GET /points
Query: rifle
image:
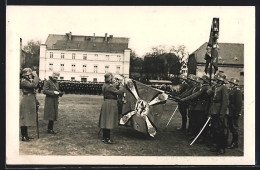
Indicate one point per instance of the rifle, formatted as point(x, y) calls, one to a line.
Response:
point(178, 100)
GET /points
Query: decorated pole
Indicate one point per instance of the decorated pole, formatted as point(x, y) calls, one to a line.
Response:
point(211, 55)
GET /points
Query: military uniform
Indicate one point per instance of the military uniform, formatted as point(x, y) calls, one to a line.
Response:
point(218, 111)
point(184, 87)
point(28, 102)
point(109, 110)
point(235, 104)
point(193, 110)
point(199, 110)
point(50, 89)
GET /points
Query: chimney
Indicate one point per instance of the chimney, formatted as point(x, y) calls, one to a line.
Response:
point(106, 37)
point(94, 37)
point(69, 35)
point(21, 43)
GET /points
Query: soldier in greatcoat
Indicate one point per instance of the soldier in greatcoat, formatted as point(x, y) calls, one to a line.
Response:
point(184, 86)
point(52, 92)
point(29, 102)
point(109, 110)
point(235, 104)
point(193, 111)
point(201, 99)
point(193, 86)
point(218, 112)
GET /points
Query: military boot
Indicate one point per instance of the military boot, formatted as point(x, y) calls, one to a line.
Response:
point(234, 143)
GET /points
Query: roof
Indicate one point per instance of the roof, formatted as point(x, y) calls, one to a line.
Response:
point(229, 53)
point(87, 43)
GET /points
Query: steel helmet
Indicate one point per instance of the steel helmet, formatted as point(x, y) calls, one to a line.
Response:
point(234, 81)
point(26, 71)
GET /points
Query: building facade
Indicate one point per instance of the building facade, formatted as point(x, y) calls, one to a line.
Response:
point(230, 60)
point(84, 58)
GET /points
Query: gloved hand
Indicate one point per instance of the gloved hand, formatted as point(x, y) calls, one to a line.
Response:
point(56, 92)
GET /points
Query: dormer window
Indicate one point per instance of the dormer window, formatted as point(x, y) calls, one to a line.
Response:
point(235, 58)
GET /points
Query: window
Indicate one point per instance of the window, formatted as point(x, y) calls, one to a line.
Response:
point(106, 69)
point(84, 79)
point(72, 78)
point(61, 67)
point(62, 55)
point(118, 58)
point(51, 66)
point(96, 56)
point(241, 73)
point(94, 80)
point(117, 69)
point(84, 56)
point(73, 56)
point(51, 54)
point(73, 67)
point(107, 57)
point(84, 68)
point(61, 78)
point(95, 69)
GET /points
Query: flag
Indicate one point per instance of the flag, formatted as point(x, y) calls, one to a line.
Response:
point(143, 107)
point(212, 47)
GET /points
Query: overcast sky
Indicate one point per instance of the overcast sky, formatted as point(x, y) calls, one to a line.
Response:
point(145, 26)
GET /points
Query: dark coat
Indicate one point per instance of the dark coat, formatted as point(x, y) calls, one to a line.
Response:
point(51, 100)
point(28, 102)
point(109, 110)
point(200, 97)
point(235, 101)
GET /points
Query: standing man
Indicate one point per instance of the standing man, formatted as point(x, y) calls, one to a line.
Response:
point(192, 88)
point(193, 111)
point(109, 110)
point(218, 113)
point(51, 90)
point(182, 106)
point(235, 104)
point(29, 102)
point(201, 99)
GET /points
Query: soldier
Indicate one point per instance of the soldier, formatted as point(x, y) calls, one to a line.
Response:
point(39, 86)
point(109, 111)
point(193, 87)
point(118, 81)
point(235, 104)
point(183, 106)
point(218, 112)
point(52, 92)
point(29, 102)
point(99, 88)
point(193, 111)
point(61, 86)
point(201, 99)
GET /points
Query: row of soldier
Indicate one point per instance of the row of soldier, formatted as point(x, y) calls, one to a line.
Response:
point(219, 101)
point(76, 87)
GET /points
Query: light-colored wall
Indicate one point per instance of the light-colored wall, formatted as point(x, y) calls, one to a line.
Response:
point(123, 61)
point(230, 72)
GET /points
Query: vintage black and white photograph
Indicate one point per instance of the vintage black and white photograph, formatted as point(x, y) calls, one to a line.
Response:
point(130, 85)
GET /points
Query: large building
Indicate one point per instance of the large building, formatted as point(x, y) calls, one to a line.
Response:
point(230, 60)
point(84, 58)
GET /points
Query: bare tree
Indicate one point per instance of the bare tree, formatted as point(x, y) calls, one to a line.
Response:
point(32, 47)
point(180, 52)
